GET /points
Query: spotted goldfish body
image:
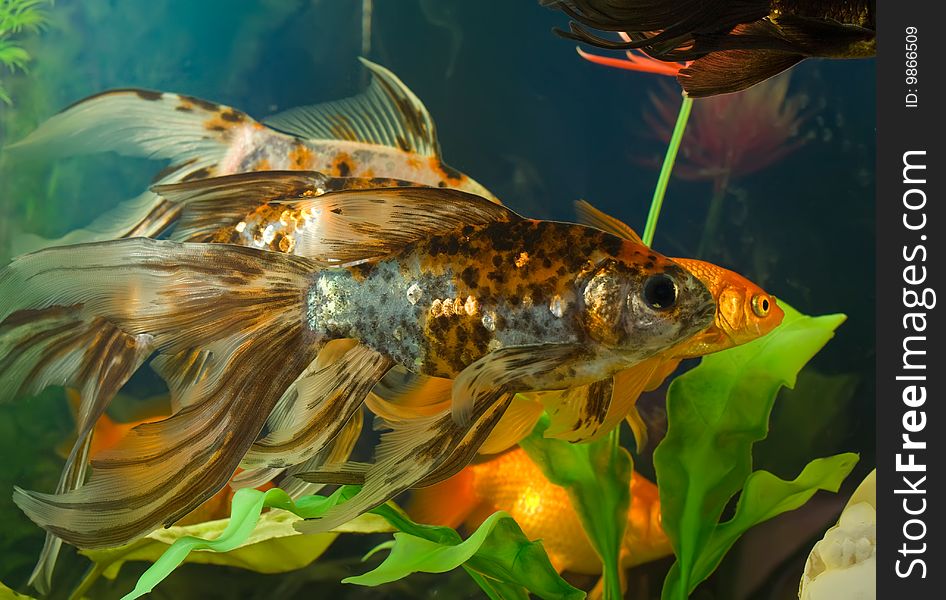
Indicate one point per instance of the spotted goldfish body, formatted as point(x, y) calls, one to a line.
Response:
point(729, 46)
point(513, 483)
point(435, 281)
point(744, 312)
point(384, 132)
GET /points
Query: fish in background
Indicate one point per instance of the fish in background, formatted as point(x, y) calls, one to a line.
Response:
point(728, 46)
point(384, 132)
point(513, 483)
point(438, 281)
point(744, 312)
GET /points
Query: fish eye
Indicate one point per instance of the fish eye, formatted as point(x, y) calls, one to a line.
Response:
point(660, 292)
point(761, 305)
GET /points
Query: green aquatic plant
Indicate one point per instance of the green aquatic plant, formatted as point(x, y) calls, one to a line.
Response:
point(597, 478)
point(498, 556)
point(715, 413)
point(16, 17)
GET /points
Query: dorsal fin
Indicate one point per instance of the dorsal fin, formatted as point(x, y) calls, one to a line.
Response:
point(387, 113)
point(337, 227)
point(589, 215)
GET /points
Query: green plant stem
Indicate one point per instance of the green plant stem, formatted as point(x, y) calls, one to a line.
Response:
point(682, 117)
point(714, 214)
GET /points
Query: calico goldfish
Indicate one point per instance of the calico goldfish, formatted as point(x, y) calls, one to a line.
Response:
point(437, 281)
point(744, 312)
point(727, 46)
point(383, 132)
point(513, 483)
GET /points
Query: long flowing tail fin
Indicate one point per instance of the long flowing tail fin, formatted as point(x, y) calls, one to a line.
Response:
point(243, 307)
point(194, 134)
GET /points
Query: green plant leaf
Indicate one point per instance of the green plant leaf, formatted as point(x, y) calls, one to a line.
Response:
point(597, 478)
point(715, 413)
point(498, 555)
point(267, 543)
point(8, 594)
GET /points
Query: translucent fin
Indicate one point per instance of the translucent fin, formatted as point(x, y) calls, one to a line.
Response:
point(209, 211)
point(341, 226)
point(326, 397)
point(241, 305)
point(418, 452)
point(447, 503)
point(589, 215)
point(135, 122)
point(408, 389)
point(337, 452)
point(508, 369)
point(194, 134)
point(182, 371)
point(518, 422)
point(145, 216)
point(387, 114)
point(581, 412)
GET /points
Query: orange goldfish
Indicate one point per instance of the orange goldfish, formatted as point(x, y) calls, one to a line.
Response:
point(437, 281)
point(513, 483)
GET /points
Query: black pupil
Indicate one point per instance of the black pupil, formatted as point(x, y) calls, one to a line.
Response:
point(765, 304)
point(660, 292)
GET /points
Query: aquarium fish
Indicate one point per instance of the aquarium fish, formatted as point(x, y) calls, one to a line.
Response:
point(728, 46)
point(744, 312)
point(447, 284)
point(511, 482)
point(384, 132)
point(234, 209)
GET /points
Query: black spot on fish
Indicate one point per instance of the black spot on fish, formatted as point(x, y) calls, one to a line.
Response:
point(402, 143)
point(497, 260)
point(232, 116)
point(442, 184)
point(184, 108)
point(649, 265)
point(337, 211)
point(148, 95)
point(205, 104)
point(450, 172)
point(343, 168)
point(470, 276)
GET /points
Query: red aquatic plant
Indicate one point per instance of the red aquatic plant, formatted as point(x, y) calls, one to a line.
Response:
point(733, 135)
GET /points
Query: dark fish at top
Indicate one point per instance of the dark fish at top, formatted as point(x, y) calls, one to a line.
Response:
point(732, 45)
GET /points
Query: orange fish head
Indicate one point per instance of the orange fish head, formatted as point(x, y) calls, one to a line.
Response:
point(744, 311)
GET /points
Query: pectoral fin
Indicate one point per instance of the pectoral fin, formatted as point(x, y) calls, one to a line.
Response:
point(511, 369)
point(518, 421)
point(580, 412)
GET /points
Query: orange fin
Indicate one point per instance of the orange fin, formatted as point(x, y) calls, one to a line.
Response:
point(518, 421)
point(447, 503)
